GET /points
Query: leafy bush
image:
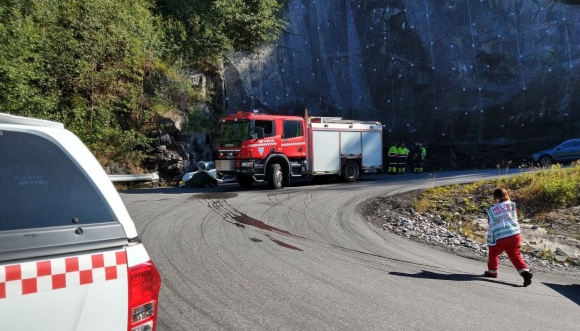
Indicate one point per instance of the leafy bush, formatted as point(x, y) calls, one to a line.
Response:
point(205, 29)
point(555, 186)
point(83, 63)
point(108, 69)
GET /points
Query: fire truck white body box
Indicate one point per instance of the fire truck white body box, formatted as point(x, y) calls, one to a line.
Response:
point(334, 140)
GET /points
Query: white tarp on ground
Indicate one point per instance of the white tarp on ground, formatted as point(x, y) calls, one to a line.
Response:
point(207, 167)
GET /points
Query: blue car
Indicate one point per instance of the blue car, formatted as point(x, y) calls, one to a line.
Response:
point(566, 151)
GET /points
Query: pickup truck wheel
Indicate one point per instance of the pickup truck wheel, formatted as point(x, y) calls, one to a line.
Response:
point(350, 171)
point(275, 176)
point(545, 160)
point(245, 181)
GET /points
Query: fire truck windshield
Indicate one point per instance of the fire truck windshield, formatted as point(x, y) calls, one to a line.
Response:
point(235, 132)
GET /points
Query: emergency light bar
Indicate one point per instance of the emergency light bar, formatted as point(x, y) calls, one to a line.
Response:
point(241, 112)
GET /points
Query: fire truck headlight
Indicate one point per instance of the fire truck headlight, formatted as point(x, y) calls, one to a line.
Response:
point(248, 164)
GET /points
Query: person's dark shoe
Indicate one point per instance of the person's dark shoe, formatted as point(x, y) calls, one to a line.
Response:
point(527, 278)
point(490, 274)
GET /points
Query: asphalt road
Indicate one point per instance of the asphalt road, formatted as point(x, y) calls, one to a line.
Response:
point(302, 258)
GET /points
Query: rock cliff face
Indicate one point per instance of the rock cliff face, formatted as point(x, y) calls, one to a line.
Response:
point(447, 72)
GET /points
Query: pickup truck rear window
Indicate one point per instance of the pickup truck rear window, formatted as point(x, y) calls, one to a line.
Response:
point(40, 186)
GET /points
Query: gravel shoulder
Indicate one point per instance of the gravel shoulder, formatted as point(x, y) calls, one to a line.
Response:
point(544, 248)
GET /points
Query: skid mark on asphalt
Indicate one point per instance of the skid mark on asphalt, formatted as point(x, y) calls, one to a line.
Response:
point(283, 244)
point(350, 250)
point(239, 219)
point(275, 200)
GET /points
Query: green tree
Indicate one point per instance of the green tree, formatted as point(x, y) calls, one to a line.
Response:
point(25, 85)
point(94, 65)
point(206, 29)
point(107, 69)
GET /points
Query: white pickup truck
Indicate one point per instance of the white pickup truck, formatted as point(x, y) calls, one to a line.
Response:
point(70, 256)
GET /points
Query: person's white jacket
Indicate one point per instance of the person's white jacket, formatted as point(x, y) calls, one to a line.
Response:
point(503, 222)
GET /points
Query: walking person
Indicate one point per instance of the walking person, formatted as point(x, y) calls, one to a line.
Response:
point(393, 159)
point(403, 153)
point(423, 157)
point(418, 158)
point(504, 235)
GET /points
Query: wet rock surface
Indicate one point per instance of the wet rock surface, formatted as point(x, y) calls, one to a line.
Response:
point(541, 250)
point(454, 74)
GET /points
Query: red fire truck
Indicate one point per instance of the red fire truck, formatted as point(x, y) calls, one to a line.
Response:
point(275, 148)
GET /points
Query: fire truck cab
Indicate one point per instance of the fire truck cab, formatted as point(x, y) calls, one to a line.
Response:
point(275, 148)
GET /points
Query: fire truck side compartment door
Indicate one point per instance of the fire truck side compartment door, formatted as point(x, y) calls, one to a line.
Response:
point(326, 151)
point(372, 149)
point(350, 143)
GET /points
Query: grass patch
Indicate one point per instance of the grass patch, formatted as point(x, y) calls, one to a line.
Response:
point(546, 189)
point(536, 193)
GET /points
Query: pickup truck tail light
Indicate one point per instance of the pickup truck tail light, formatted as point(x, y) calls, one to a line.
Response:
point(144, 286)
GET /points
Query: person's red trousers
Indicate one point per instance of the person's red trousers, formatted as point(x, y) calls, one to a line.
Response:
point(511, 245)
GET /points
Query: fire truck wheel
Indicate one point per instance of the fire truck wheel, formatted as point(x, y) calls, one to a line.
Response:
point(245, 181)
point(350, 171)
point(275, 176)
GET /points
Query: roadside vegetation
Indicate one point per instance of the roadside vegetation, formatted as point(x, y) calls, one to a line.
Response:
point(109, 69)
point(537, 192)
point(455, 217)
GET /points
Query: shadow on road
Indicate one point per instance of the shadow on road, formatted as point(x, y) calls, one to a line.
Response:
point(571, 292)
point(452, 277)
point(229, 187)
point(331, 185)
point(297, 184)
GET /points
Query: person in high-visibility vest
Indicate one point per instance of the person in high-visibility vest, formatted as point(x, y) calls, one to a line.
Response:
point(421, 155)
point(393, 159)
point(403, 153)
